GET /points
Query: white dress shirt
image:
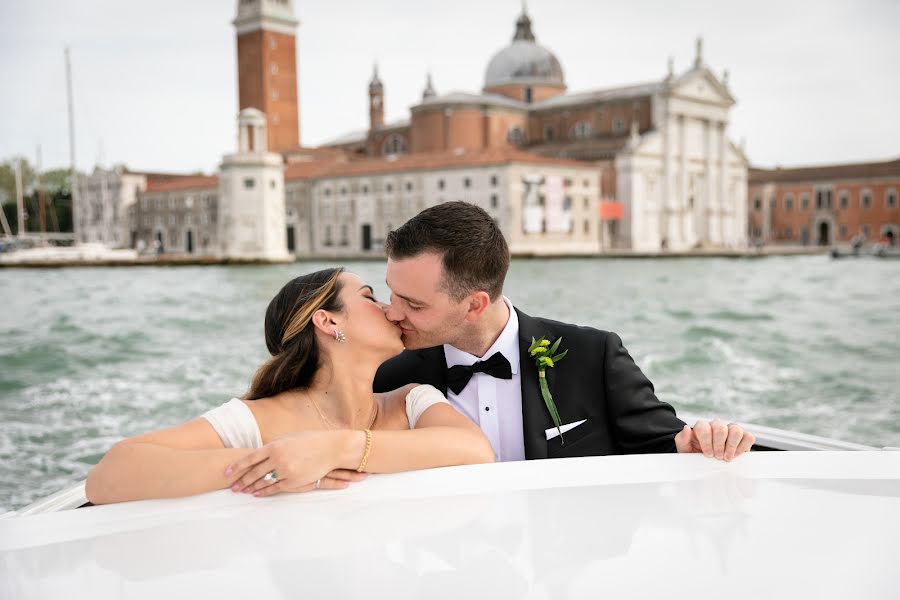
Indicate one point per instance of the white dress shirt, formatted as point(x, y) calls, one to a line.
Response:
point(494, 404)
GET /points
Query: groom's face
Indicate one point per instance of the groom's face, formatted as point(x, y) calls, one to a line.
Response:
point(424, 311)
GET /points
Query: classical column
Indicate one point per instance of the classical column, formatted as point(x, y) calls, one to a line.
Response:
point(709, 193)
point(667, 185)
point(724, 203)
point(681, 199)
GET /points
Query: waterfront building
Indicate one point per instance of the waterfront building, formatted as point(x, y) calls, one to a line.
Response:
point(826, 205)
point(672, 178)
point(544, 206)
point(106, 202)
point(179, 216)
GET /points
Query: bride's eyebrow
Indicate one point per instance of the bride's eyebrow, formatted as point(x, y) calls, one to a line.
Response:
point(369, 287)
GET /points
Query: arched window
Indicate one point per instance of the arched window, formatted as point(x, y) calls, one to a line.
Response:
point(394, 144)
point(582, 130)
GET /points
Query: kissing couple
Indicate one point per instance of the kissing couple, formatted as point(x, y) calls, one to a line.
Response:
point(448, 372)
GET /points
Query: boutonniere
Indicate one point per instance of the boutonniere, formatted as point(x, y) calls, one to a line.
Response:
point(545, 357)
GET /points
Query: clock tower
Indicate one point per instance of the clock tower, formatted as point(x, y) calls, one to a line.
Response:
point(267, 67)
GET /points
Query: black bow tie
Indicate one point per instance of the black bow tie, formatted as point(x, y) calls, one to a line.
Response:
point(458, 376)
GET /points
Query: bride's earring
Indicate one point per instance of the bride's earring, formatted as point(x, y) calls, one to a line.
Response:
point(339, 336)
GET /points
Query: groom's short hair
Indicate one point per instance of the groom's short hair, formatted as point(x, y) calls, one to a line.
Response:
point(473, 251)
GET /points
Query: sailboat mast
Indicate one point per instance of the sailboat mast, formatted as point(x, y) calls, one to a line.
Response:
point(20, 200)
point(42, 212)
point(73, 175)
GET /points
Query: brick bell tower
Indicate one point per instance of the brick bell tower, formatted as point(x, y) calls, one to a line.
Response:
point(267, 67)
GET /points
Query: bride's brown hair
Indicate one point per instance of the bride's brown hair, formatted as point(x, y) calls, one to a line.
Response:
point(290, 336)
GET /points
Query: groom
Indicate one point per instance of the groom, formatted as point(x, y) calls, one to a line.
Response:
point(446, 268)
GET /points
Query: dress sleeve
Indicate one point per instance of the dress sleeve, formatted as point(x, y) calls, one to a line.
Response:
point(420, 399)
point(235, 424)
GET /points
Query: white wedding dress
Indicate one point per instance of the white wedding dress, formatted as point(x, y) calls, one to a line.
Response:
point(237, 426)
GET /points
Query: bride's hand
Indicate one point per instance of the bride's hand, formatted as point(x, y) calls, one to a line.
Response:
point(299, 460)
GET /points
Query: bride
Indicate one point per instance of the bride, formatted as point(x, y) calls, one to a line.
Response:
point(310, 419)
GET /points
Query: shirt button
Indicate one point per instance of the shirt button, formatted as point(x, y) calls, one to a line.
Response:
point(487, 409)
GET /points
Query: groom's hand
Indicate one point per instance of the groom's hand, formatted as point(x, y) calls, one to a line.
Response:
point(716, 439)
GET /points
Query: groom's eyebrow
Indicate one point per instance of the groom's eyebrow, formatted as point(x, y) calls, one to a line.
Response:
point(407, 298)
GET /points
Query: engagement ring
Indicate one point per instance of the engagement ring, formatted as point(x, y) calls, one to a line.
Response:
point(271, 476)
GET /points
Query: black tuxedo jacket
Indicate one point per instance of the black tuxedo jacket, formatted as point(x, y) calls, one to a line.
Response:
point(597, 381)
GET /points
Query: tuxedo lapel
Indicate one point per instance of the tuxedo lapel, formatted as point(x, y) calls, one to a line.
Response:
point(535, 417)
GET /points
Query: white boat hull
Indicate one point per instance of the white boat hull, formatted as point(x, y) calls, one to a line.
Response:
point(771, 524)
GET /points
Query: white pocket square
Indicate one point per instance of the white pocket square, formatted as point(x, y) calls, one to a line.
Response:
point(553, 432)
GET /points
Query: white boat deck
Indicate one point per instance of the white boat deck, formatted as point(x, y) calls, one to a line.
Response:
point(769, 525)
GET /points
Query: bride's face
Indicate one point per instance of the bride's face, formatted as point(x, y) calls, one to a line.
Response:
point(363, 321)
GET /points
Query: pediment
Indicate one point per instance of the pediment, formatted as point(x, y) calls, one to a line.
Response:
point(702, 85)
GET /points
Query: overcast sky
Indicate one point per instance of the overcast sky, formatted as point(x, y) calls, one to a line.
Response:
point(155, 82)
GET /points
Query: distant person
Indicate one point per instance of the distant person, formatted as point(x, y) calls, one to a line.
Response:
point(446, 270)
point(309, 420)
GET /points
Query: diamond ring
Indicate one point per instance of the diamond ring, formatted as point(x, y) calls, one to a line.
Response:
point(318, 483)
point(271, 476)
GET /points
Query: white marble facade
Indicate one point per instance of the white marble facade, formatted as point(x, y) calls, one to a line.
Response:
point(684, 183)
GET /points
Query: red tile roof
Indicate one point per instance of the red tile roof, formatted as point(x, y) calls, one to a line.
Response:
point(188, 182)
point(422, 162)
point(869, 170)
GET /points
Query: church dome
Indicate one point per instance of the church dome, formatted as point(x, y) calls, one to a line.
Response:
point(524, 61)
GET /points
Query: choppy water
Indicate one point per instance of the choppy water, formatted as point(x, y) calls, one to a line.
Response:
point(88, 356)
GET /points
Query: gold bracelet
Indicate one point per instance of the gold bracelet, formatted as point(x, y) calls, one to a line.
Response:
point(365, 458)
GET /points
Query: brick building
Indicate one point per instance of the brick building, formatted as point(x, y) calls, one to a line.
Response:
point(825, 205)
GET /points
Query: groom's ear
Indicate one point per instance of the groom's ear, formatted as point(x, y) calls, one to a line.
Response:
point(478, 303)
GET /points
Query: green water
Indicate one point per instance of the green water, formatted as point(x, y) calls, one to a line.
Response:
point(89, 356)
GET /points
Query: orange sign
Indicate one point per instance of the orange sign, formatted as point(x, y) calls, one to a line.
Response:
point(612, 211)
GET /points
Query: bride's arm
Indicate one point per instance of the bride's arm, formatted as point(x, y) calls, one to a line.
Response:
point(442, 437)
point(178, 461)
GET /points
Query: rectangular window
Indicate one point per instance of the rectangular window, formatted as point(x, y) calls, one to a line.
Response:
point(890, 199)
point(757, 203)
point(328, 235)
point(493, 180)
point(866, 200)
point(788, 202)
point(845, 200)
point(249, 183)
point(493, 200)
point(467, 182)
point(804, 201)
point(788, 233)
point(440, 184)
